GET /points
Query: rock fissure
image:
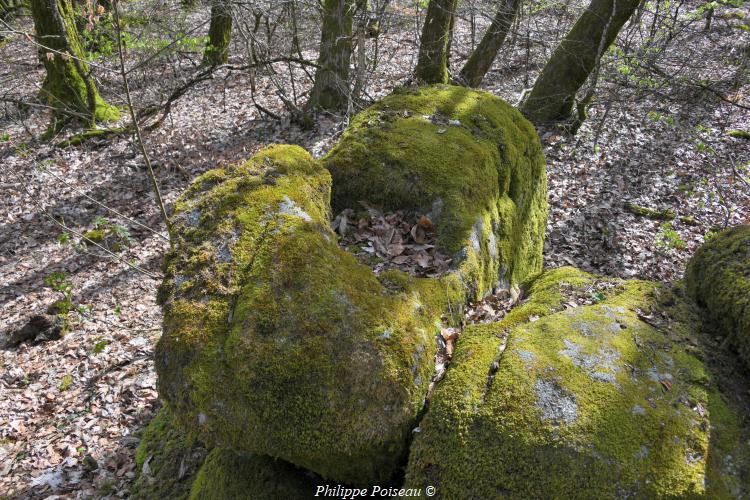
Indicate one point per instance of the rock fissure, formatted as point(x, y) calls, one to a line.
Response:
point(494, 366)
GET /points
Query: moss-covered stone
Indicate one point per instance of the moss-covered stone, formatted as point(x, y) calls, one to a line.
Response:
point(466, 158)
point(718, 278)
point(166, 460)
point(228, 475)
point(276, 341)
point(610, 400)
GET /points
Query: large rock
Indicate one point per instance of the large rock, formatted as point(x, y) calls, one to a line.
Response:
point(718, 277)
point(229, 475)
point(173, 465)
point(615, 399)
point(167, 460)
point(469, 160)
point(276, 341)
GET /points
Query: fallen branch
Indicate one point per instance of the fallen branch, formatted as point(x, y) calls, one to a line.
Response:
point(649, 212)
point(154, 183)
point(659, 214)
point(101, 133)
point(166, 107)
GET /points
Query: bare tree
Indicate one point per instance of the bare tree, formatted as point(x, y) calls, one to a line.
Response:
point(331, 87)
point(219, 34)
point(434, 44)
point(553, 96)
point(481, 59)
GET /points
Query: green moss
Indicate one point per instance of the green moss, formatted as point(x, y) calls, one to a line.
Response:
point(66, 382)
point(68, 87)
point(466, 158)
point(100, 133)
point(739, 134)
point(278, 342)
point(95, 236)
point(649, 212)
point(229, 475)
point(718, 278)
point(219, 35)
point(587, 402)
point(548, 292)
point(166, 460)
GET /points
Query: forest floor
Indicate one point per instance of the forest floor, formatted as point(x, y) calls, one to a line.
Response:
point(71, 410)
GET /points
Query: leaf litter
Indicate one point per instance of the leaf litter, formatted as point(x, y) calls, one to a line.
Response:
point(394, 240)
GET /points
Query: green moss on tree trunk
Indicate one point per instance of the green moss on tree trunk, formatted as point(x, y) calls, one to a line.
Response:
point(553, 96)
point(434, 44)
point(219, 34)
point(68, 87)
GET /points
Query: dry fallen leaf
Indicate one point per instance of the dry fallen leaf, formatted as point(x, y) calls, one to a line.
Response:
point(425, 222)
point(423, 259)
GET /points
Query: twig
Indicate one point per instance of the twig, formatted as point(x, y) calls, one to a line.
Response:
point(78, 233)
point(112, 368)
point(49, 49)
point(157, 233)
point(139, 139)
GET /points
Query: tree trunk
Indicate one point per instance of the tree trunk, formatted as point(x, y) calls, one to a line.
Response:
point(553, 95)
point(8, 8)
point(481, 59)
point(6, 13)
point(219, 34)
point(68, 88)
point(361, 73)
point(331, 88)
point(434, 44)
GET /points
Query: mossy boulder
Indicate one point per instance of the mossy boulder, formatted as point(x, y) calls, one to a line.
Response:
point(609, 400)
point(173, 465)
point(166, 460)
point(466, 158)
point(718, 278)
point(229, 475)
point(276, 341)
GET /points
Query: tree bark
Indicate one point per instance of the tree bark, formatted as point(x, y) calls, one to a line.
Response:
point(331, 88)
point(6, 13)
point(481, 59)
point(553, 96)
point(68, 87)
point(361, 73)
point(434, 44)
point(8, 8)
point(219, 34)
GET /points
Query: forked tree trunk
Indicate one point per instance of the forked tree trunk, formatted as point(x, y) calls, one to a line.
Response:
point(219, 34)
point(331, 88)
point(434, 44)
point(68, 88)
point(553, 96)
point(483, 56)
